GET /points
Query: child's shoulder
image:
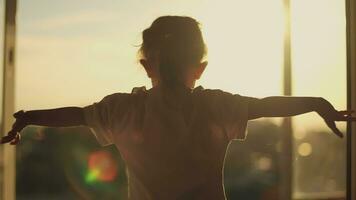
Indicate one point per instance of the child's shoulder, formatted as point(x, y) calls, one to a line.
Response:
point(142, 92)
point(135, 91)
point(213, 93)
point(124, 98)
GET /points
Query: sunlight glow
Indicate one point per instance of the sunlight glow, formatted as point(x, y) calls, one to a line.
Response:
point(319, 55)
point(97, 56)
point(245, 44)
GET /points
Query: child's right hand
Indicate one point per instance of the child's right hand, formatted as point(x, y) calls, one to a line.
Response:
point(13, 136)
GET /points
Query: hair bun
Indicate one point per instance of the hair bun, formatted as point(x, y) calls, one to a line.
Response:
point(176, 42)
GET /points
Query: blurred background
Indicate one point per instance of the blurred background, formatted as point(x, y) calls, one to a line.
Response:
point(73, 53)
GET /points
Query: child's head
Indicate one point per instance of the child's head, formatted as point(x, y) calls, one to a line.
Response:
point(172, 51)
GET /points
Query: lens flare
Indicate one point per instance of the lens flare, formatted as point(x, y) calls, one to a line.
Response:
point(101, 167)
point(305, 149)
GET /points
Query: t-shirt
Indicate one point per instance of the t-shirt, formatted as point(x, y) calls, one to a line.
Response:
point(173, 144)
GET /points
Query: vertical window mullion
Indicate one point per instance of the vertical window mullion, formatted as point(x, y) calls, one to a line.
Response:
point(286, 162)
point(9, 167)
point(351, 97)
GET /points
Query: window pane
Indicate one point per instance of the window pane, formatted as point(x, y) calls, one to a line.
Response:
point(319, 69)
point(77, 52)
point(245, 56)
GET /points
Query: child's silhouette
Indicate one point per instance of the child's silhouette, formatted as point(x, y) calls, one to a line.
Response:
point(173, 137)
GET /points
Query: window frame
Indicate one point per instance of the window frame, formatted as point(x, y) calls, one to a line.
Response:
point(351, 97)
point(8, 190)
point(7, 181)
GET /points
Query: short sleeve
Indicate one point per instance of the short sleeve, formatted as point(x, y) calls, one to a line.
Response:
point(98, 118)
point(232, 113)
point(236, 116)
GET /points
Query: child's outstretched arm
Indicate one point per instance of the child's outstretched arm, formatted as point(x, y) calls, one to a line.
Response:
point(59, 117)
point(284, 106)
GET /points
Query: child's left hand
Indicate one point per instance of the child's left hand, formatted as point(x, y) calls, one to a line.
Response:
point(331, 115)
point(13, 136)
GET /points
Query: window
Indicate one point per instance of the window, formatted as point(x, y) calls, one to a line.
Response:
point(76, 52)
point(82, 47)
point(319, 69)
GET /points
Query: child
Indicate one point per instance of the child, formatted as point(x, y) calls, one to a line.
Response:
point(173, 137)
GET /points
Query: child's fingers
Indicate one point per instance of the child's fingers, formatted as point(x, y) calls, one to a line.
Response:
point(344, 115)
point(4, 140)
point(352, 119)
point(332, 126)
point(10, 136)
point(348, 118)
point(16, 140)
point(16, 128)
point(346, 112)
point(7, 139)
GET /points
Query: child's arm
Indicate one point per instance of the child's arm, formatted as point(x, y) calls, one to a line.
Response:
point(59, 117)
point(281, 106)
point(290, 106)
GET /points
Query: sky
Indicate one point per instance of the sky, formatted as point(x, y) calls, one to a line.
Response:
point(73, 53)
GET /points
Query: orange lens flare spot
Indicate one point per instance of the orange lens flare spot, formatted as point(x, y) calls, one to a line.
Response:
point(102, 167)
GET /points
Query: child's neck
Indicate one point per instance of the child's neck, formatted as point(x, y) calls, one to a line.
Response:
point(189, 84)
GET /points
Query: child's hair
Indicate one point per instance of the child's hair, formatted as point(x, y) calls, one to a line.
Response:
point(175, 43)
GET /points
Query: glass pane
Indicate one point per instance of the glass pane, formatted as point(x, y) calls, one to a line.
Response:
point(244, 61)
point(77, 52)
point(319, 69)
